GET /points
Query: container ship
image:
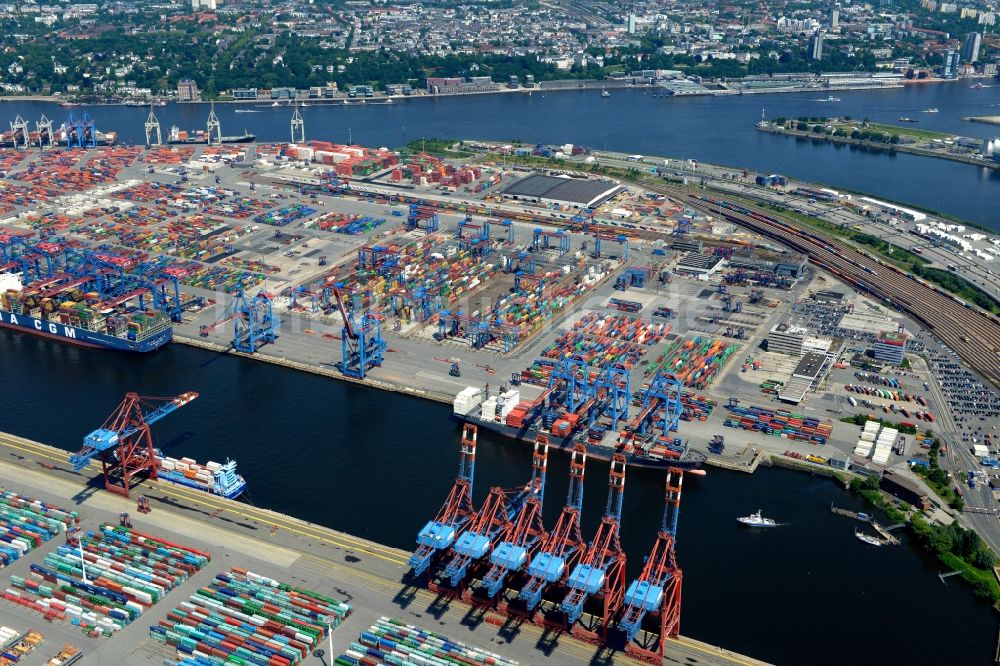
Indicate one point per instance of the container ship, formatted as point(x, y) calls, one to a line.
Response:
point(61, 136)
point(217, 478)
point(179, 136)
point(58, 310)
point(504, 413)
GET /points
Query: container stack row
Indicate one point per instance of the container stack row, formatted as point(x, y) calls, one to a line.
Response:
point(696, 361)
point(26, 523)
point(779, 423)
point(392, 642)
point(106, 581)
point(245, 618)
point(285, 215)
point(343, 223)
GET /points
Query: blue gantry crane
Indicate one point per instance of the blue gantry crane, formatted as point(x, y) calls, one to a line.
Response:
point(361, 344)
point(439, 534)
point(562, 547)
point(661, 409)
point(600, 573)
point(124, 443)
point(423, 217)
point(254, 324)
point(621, 239)
point(657, 591)
point(543, 239)
point(528, 531)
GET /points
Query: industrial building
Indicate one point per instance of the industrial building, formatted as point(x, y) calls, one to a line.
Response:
point(700, 264)
point(829, 297)
point(890, 346)
point(187, 91)
point(906, 490)
point(805, 375)
point(792, 264)
point(562, 191)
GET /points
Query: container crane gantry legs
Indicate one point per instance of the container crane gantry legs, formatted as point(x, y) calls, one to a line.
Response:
point(528, 532)
point(440, 533)
point(562, 547)
point(657, 591)
point(600, 573)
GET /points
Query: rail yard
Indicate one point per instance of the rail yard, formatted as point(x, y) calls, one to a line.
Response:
point(653, 326)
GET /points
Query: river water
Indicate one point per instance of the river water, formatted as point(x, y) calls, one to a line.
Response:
point(379, 465)
point(713, 129)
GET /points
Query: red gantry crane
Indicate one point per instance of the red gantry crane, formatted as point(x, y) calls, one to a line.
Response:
point(656, 594)
point(124, 443)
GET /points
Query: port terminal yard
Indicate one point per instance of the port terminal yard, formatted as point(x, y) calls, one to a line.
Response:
point(369, 577)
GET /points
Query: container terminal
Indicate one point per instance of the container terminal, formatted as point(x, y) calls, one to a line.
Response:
point(357, 582)
point(658, 325)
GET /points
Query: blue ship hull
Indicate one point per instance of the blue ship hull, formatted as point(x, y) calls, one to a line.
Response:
point(81, 336)
point(181, 480)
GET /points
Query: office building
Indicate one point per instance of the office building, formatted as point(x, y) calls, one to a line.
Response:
point(890, 347)
point(187, 91)
point(834, 18)
point(786, 338)
point(198, 5)
point(631, 24)
point(970, 46)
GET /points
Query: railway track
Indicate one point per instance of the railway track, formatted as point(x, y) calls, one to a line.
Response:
point(969, 331)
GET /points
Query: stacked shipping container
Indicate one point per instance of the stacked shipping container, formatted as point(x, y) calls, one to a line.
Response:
point(780, 423)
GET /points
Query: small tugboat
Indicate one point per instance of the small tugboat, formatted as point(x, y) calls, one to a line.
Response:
point(756, 520)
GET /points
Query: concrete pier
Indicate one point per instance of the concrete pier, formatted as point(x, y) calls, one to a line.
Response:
point(367, 575)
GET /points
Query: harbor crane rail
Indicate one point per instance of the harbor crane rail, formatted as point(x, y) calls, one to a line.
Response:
point(124, 443)
point(439, 534)
point(656, 593)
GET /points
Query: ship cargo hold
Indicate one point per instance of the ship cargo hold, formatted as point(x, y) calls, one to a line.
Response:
point(63, 312)
point(212, 477)
point(506, 414)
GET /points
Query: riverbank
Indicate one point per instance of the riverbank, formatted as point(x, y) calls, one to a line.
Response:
point(988, 120)
point(884, 147)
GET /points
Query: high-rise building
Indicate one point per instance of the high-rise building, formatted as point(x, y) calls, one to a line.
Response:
point(834, 18)
point(631, 24)
point(202, 4)
point(890, 347)
point(187, 91)
point(816, 46)
point(950, 69)
point(970, 47)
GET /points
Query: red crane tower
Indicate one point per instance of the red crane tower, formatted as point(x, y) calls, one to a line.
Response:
point(124, 443)
point(656, 594)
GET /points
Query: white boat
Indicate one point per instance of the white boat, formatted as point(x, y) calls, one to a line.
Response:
point(246, 111)
point(756, 520)
point(830, 98)
point(275, 104)
point(933, 109)
point(867, 538)
point(605, 93)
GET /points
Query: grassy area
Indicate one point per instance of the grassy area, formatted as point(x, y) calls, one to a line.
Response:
point(860, 420)
point(960, 287)
point(912, 132)
point(438, 147)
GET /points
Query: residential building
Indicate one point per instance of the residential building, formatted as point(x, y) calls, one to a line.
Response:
point(970, 46)
point(816, 46)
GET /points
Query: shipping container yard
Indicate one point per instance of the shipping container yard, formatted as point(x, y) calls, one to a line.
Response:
point(572, 313)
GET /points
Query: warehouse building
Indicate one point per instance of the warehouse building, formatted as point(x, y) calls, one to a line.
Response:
point(805, 376)
point(905, 489)
point(562, 191)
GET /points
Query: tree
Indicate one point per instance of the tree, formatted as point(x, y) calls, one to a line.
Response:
point(818, 129)
point(802, 127)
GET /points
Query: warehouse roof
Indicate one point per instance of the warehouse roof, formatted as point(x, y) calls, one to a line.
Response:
point(578, 191)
